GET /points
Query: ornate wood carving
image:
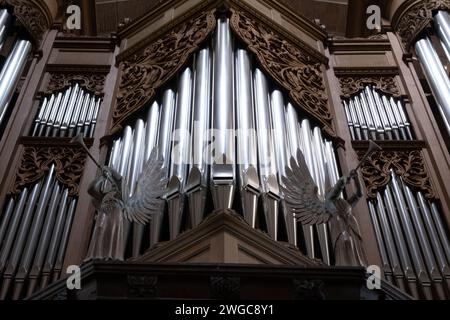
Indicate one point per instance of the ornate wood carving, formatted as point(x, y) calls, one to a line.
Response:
point(308, 289)
point(142, 286)
point(91, 78)
point(37, 157)
point(32, 16)
point(417, 15)
point(351, 85)
point(151, 67)
point(291, 65)
point(227, 288)
point(408, 164)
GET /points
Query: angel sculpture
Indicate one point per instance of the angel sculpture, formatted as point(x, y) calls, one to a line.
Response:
point(303, 200)
point(110, 194)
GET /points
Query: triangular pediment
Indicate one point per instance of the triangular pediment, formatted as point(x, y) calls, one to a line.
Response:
point(224, 237)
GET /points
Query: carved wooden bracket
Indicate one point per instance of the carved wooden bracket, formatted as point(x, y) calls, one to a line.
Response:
point(292, 66)
point(404, 158)
point(151, 67)
point(414, 16)
point(38, 155)
point(91, 78)
point(33, 15)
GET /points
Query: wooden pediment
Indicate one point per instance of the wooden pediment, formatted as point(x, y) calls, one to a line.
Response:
point(224, 237)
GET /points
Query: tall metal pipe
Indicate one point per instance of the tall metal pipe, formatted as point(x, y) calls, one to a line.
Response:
point(390, 241)
point(11, 73)
point(411, 237)
point(295, 143)
point(197, 181)
point(381, 243)
point(164, 139)
point(281, 149)
point(55, 240)
point(424, 243)
point(437, 78)
point(401, 242)
point(5, 21)
point(64, 239)
point(349, 121)
point(134, 170)
point(222, 172)
point(13, 226)
point(266, 154)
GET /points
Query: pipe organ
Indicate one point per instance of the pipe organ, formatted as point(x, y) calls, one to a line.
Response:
point(34, 232)
point(376, 116)
point(412, 238)
point(67, 114)
point(435, 73)
point(36, 224)
point(226, 134)
point(12, 69)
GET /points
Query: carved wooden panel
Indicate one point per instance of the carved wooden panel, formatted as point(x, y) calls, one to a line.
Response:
point(151, 67)
point(39, 154)
point(350, 85)
point(91, 78)
point(291, 65)
point(32, 16)
point(417, 15)
point(407, 164)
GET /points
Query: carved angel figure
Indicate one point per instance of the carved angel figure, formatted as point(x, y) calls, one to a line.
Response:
point(303, 200)
point(111, 198)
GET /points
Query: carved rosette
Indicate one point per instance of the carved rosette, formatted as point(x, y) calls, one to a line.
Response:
point(94, 82)
point(32, 16)
point(37, 158)
point(151, 67)
point(292, 66)
point(351, 85)
point(408, 164)
point(417, 15)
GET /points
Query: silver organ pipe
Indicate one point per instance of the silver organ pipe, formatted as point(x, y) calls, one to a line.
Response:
point(295, 143)
point(66, 114)
point(164, 139)
point(442, 26)
point(246, 139)
point(225, 108)
point(437, 78)
point(5, 21)
point(266, 155)
point(33, 236)
point(222, 170)
point(376, 116)
point(282, 155)
point(11, 73)
point(414, 244)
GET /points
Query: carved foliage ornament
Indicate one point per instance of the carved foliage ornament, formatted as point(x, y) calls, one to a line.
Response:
point(153, 66)
point(293, 68)
point(407, 164)
point(36, 162)
point(350, 85)
point(93, 82)
point(416, 18)
point(31, 16)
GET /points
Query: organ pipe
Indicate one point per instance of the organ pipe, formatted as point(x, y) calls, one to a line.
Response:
point(224, 108)
point(11, 73)
point(374, 115)
point(437, 78)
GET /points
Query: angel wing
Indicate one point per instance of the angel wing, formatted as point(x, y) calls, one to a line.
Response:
point(301, 194)
point(147, 197)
